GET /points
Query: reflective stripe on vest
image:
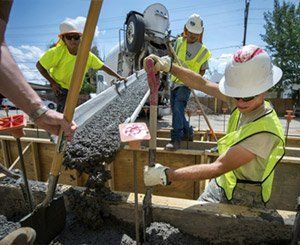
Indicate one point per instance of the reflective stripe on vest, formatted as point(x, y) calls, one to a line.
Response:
point(268, 123)
point(194, 64)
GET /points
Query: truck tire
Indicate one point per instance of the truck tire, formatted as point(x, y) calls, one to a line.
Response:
point(135, 32)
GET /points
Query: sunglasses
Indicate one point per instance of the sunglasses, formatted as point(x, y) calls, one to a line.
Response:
point(74, 37)
point(246, 99)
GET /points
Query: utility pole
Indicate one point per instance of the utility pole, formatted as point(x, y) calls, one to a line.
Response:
point(247, 3)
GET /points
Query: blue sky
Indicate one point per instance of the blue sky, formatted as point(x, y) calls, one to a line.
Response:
point(34, 24)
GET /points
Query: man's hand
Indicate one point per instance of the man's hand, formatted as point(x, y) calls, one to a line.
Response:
point(160, 63)
point(123, 79)
point(56, 88)
point(156, 175)
point(52, 120)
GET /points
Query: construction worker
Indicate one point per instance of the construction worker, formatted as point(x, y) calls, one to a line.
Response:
point(254, 144)
point(57, 64)
point(193, 55)
point(15, 87)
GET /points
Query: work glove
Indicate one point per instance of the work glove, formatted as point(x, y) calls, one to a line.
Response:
point(160, 63)
point(156, 175)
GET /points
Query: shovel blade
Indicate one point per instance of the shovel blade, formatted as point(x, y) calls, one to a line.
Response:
point(48, 222)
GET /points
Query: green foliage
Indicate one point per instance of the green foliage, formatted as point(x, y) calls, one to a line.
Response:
point(95, 51)
point(283, 41)
point(87, 88)
point(89, 83)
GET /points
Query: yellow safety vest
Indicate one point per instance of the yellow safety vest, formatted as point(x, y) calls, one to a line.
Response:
point(268, 123)
point(193, 64)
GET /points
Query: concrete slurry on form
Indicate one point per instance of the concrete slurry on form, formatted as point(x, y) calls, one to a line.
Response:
point(88, 218)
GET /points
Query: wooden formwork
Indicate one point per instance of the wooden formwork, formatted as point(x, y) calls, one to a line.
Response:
point(38, 154)
point(286, 186)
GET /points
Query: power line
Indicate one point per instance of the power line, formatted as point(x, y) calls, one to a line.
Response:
point(227, 47)
point(178, 9)
point(111, 19)
point(247, 4)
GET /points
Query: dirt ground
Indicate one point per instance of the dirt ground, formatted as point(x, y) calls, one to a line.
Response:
point(219, 123)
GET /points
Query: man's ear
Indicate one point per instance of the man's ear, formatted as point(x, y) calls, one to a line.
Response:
point(201, 36)
point(184, 32)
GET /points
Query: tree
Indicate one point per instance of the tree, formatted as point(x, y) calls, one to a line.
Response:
point(283, 41)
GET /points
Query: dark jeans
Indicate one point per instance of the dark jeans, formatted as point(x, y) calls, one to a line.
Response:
point(181, 127)
point(61, 100)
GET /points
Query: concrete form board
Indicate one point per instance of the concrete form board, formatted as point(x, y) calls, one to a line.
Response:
point(217, 223)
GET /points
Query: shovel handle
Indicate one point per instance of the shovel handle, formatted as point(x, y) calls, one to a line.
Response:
point(76, 80)
point(153, 82)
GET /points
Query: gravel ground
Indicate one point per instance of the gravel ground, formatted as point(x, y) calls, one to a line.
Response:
point(219, 123)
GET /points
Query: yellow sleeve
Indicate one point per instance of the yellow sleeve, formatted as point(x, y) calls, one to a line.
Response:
point(50, 58)
point(95, 63)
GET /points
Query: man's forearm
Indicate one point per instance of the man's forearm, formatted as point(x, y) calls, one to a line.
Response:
point(45, 73)
point(189, 77)
point(196, 81)
point(110, 72)
point(194, 172)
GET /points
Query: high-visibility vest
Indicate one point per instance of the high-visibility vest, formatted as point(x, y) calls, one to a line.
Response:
point(268, 123)
point(194, 64)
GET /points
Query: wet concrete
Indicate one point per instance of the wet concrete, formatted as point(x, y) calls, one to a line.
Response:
point(98, 141)
point(100, 219)
point(90, 222)
point(88, 218)
point(115, 234)
point(7, 226)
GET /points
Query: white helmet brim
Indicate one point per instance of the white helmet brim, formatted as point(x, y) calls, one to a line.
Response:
point(244, 92)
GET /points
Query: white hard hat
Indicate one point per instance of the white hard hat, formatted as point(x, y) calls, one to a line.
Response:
point(250, 72)
point(68, 26)
point(194, 24)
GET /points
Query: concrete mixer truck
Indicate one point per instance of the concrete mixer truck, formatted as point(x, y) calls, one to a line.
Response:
point(142, 34)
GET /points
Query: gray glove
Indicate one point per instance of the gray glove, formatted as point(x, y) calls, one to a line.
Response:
point(160, 63)
point(156, 175)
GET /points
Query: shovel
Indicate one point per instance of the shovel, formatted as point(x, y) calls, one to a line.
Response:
point(117, 85)
point(49, 217)
point(14, 124)
point(134, 133)
point(7, 172)
point(153, 82)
